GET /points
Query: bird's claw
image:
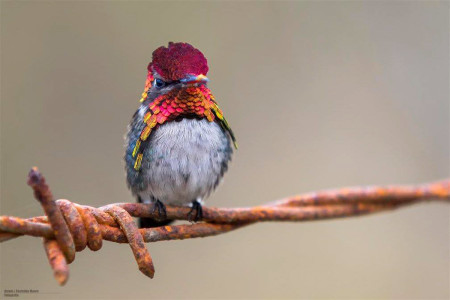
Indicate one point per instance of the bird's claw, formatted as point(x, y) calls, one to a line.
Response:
point(198, 214)
point(161, 208)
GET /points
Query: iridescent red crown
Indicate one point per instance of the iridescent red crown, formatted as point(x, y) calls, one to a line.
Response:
point(178, 60)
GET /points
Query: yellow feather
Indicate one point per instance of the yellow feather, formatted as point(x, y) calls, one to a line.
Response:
point(137, 164)
point(145, 133)
point(147, 116)
point(136, 148)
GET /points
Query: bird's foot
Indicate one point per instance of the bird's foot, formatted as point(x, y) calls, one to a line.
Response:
point(196, 212)
point(161, 208)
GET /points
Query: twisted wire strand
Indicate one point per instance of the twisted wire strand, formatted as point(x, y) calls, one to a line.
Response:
point(68, 227)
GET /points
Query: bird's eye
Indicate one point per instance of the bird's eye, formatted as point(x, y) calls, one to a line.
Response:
point(159, 83)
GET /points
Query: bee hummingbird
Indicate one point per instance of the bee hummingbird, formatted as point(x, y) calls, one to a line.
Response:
point(178, 144)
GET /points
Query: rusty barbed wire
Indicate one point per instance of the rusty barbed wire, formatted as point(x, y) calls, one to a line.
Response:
point(68, 227)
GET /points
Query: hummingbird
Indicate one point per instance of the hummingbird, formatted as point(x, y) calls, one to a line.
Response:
point(178, 144)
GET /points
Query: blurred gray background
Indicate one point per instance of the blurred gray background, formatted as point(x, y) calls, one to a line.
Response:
point(320, 95)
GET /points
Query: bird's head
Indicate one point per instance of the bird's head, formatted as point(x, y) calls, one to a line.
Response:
point(175, 67)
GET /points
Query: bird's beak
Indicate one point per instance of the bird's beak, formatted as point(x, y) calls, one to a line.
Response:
point(194, 79)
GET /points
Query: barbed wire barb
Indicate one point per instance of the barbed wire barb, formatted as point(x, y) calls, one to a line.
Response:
point(68, 227)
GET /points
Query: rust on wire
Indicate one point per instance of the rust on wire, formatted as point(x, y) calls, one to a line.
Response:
point(43, 194)
point(134, 238)
point(57, 261)
point(94, 235)
point(74, 222)
point(69, 227)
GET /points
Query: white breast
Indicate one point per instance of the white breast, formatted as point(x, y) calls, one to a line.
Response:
point(185, 161)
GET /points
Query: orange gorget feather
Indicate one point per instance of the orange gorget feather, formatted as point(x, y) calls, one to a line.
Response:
point(193, 100)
